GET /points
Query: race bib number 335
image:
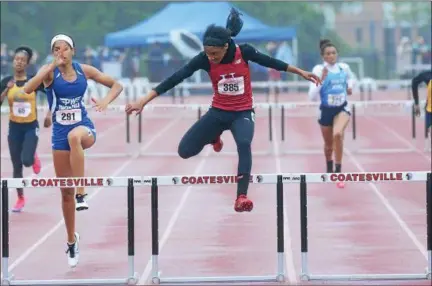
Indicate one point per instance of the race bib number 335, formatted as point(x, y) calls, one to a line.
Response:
point(231, 86)
point(68, 117)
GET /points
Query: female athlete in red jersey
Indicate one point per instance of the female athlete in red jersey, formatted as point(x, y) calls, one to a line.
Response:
point(232, 104)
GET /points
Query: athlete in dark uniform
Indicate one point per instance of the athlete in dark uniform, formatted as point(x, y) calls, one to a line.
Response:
point(232, 105)
point(425, 77)
point(23, 133)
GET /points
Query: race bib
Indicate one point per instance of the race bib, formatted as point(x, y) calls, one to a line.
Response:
point(68, 117)
point(336, 99)
point(21, 109)
point(231, 86)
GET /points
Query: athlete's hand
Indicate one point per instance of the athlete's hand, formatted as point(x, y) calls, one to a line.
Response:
point(134, 106)
point(47, 121)
point(10, 84)
point(417, 110)
point(349, 91)
point(100, 105)
point(311, 77)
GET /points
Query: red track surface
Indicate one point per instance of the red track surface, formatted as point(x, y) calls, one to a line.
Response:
point(350, 231)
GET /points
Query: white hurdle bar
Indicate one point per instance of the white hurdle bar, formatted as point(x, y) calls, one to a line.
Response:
point(130, 278)
point(403, 105)
point(363, 178)
point(156, 278)
point(182, 180)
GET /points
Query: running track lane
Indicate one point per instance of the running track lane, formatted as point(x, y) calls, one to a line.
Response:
point(208, 238)
point(232, 190)
point(356, 230)
point(37, 199)
point(87, 222)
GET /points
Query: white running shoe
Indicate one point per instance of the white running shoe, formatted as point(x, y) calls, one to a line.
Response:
point(73, 251)
point(81, 203)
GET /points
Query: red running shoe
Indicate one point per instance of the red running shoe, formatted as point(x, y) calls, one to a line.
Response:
point(19, 205)
point(37, 165)
point(243, 204)
point(218, 144)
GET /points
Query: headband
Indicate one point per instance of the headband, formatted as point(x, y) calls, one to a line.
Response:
point(214, 42)
point(62, 37)
point(22, 51)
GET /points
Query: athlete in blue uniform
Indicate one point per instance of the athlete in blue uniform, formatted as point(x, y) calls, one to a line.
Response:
point(65, 82)
point(337, 83)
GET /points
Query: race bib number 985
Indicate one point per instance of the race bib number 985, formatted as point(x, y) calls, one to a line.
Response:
point(21, 109)
point(231, 86)
point(68, 117)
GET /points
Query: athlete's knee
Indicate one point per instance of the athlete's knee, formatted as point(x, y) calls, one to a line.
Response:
point(243, 144)
point(28, 161)
point(338, 135)
point(183, 151)
point(68, 195)
point(74, 138)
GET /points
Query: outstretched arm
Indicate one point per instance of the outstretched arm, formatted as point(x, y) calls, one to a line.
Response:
point(198, 62)
point(249, 53)
point(115, 87)
point(43, 76)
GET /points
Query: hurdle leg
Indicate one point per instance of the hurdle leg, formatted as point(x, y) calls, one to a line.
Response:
point(132, 275)
point(155, 232)
point(5, 233)
point(270, 126)
point(303, 229)
point(280, 230)
point(128, 133)
point(429, 224)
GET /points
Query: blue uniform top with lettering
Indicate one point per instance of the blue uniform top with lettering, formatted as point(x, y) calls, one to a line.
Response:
point(66, 102)
point(333, 92)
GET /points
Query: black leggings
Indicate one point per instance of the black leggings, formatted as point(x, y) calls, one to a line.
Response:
point(23, 139)
point(211, 125)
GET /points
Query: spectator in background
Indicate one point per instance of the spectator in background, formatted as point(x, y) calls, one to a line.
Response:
point(5, 60)
point(420, 51)
point(403, 58)
point(155, 63)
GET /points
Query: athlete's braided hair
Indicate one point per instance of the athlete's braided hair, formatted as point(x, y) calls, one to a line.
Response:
point(219, 36)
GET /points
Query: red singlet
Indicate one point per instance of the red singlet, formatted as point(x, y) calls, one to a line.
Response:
point(232, 84)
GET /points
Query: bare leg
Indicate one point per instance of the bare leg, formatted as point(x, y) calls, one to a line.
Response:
point(327, 133)
point(63, 169)
point(340, 123)
point(79, 139)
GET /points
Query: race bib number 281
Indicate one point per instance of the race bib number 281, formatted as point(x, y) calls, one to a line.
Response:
point(68, 117)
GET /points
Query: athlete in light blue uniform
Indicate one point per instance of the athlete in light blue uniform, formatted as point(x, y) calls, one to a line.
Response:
point(66, 82)
point(337, 83)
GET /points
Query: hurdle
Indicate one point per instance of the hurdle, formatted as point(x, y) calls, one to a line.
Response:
point(131, 278)
point(200, 109)
point(363, 178)
point(156, 182)
point(404, 107)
